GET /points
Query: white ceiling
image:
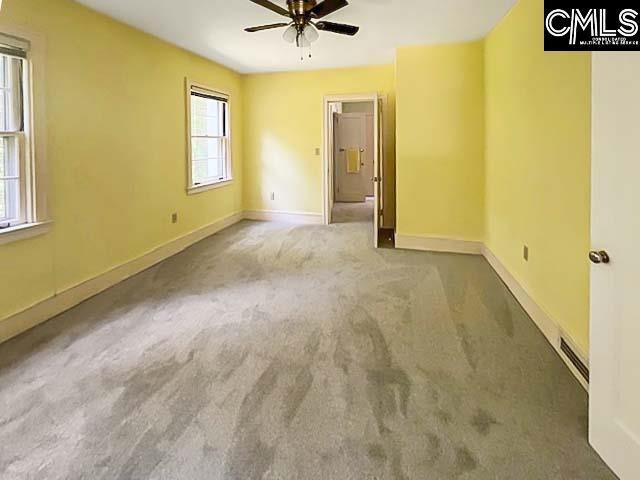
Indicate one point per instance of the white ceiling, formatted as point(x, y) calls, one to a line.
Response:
point(214, 29)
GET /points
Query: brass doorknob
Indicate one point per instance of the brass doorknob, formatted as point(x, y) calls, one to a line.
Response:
point(599, 257)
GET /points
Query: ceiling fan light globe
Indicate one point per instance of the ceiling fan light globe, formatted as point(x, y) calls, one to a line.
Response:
point(310, 33)
point(290, 34)
point(303, 41)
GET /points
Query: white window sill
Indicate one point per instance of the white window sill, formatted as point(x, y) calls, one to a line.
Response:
point(209, 186)
point(22, 232)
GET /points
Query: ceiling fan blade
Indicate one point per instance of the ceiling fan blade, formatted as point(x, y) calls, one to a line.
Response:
point(327, 7)
point(340, 28)
point(265, 27)
point(271, 6)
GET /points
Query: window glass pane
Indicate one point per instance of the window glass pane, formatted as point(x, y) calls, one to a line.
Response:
point(3, 96)
point(11, 95)
point(207, 117)
point(4, 167)
point(207, 148)
point(9, 166)
point(3, 110)
point(3, 69)
point(209, 160)
point(208, 171)
point(9, 200)
point(9, 182)
point(3, 201)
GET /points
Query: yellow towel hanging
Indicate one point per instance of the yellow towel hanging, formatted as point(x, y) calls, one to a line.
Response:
point(353, 160)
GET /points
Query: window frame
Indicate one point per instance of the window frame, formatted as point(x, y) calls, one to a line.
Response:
point(31, 141)
point(214, 92)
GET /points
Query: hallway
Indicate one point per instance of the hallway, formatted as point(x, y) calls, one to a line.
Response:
point(353, 212)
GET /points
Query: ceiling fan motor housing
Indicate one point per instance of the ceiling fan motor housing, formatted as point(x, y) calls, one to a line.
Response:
point(299, 8)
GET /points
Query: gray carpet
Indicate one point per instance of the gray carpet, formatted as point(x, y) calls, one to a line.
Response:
point(271, 351)
point(353, 212)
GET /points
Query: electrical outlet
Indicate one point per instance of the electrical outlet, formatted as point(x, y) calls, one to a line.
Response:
point(273, 195)
point(174, 218)
point(317, 152)
point(525, 253)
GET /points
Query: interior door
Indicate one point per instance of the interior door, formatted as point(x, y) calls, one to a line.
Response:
point(350, 172)
point(368, 156)
point(377, 169)
point(615, 275)
point(332, 125)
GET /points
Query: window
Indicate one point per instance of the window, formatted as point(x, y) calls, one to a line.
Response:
point(13, 168)
point(210, 141)
point(17, 182)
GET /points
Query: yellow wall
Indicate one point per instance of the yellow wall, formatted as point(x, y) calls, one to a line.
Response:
point(440, 141)
point(283, 125)
point(538, 165)
point(115, 108)
point(116, 150)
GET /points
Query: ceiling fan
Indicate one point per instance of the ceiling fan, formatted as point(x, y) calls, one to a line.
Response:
point(303, 24)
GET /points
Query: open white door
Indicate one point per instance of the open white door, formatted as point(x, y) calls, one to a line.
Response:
point(332, 109)
point(377, 175)
point(615, 275)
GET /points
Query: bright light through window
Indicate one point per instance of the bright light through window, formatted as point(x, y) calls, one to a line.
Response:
point(210, 162)
point(12, 170)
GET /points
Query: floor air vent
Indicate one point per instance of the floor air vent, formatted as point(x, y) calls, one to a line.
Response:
point(574, 359)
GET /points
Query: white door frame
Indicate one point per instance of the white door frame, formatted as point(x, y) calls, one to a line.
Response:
point(327, 176)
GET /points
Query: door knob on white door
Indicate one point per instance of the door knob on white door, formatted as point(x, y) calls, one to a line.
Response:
point(599, 257)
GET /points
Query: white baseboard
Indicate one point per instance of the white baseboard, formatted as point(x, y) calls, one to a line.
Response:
point(299, 218)
point(49, 308)
point(432, 244)
point(549, 327)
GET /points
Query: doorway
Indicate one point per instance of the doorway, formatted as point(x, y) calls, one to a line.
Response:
point(353, 159)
